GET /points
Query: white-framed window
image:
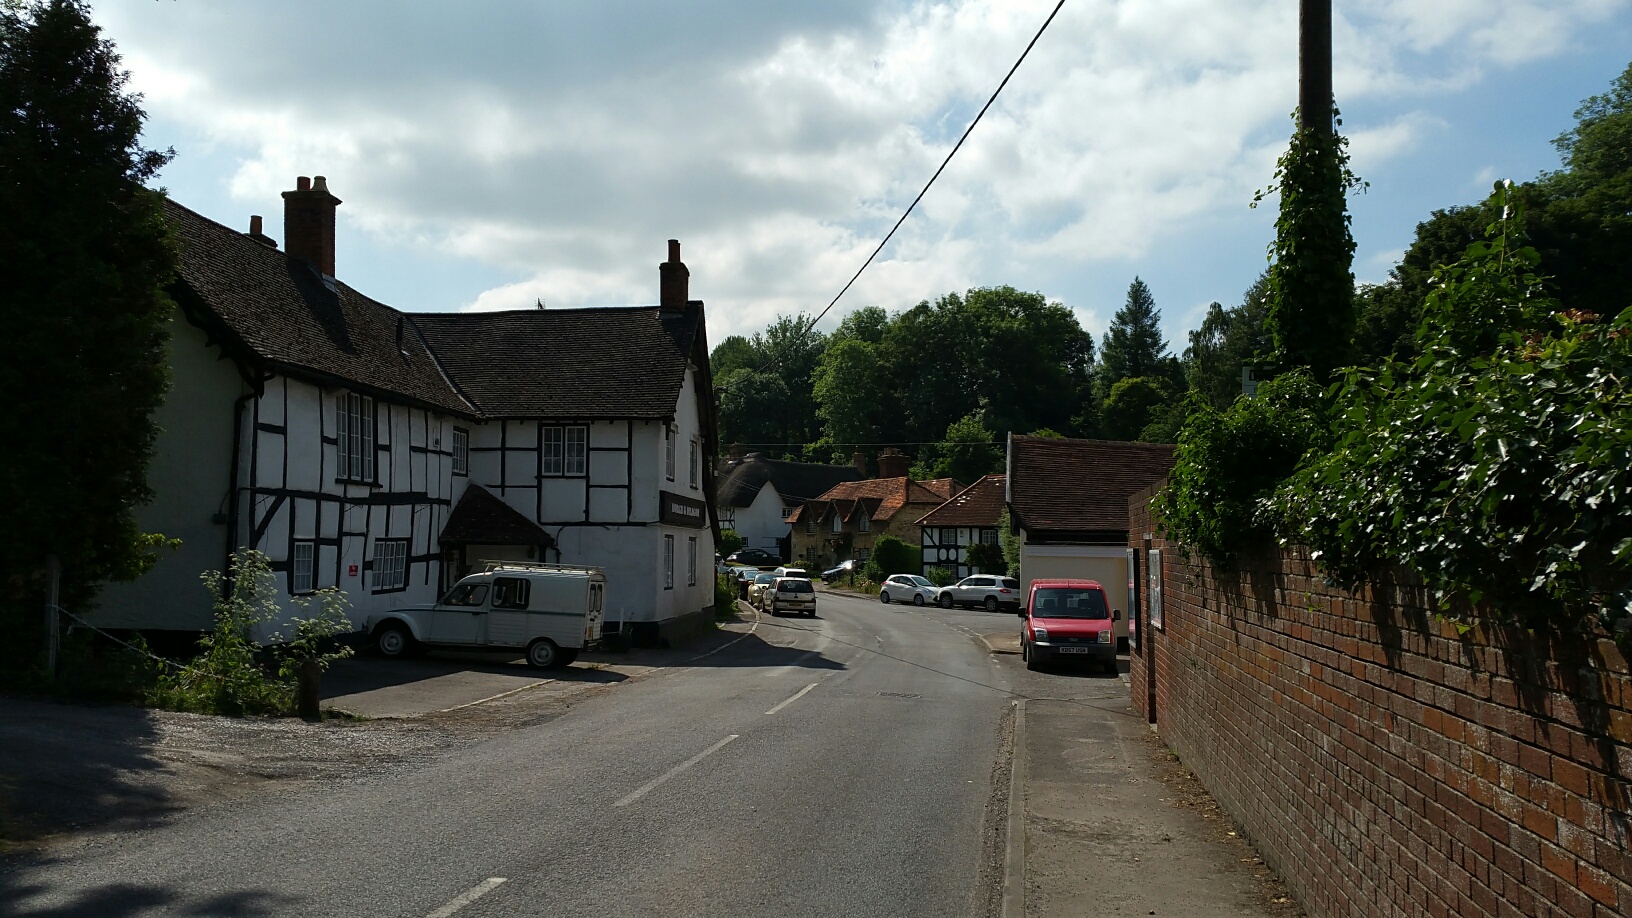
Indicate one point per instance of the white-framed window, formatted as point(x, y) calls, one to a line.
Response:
point(461, 451)
point(354, 429)
point(564, 451)
point(691, 561)
point(865, 524)
point(988, 537)
point(668, 451)
point(303, 567)
point(696, 460)
point(668, 562)
point(838, 522)
point(390, 564)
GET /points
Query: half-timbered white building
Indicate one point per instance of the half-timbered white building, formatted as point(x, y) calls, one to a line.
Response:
point(969, 518)
point(388, 453)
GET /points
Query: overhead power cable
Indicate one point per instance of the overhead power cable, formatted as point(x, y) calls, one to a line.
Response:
point(908, 212)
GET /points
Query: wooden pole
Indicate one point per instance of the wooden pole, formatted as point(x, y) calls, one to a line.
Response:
point(53, 621)
point(1315, 65)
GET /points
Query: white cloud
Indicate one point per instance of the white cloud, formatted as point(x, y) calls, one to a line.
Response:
point(779, 142)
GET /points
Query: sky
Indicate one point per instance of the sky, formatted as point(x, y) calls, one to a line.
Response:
point(494, 154)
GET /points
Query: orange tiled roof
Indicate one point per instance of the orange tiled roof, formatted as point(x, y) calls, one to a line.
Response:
point(882, 497)
point(980, 504)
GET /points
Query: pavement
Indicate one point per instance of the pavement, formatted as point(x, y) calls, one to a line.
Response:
point(872, 761)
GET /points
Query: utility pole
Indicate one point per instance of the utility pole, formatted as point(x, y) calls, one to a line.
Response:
point(1315, 65)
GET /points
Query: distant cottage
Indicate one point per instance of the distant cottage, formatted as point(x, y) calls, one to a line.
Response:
point(389, 453)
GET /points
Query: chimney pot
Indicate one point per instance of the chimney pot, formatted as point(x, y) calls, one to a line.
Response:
point(308, 223)
point(319, 183)
point(673, 280)
point(255, 225)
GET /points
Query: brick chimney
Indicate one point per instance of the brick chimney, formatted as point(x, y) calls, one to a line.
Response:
point(675, 279)
point(859, 460)
point(892, 463)
point(308, 222)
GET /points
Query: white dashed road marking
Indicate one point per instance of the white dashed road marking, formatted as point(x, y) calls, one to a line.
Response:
point(651, 785)
point(796, 696)
point(468, 896)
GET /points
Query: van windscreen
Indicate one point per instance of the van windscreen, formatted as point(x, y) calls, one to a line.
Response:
point(1069, 602)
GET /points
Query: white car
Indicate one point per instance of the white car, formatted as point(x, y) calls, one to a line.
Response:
point(987, 591)
point(906, 588)
point(550, 611)
point(790, 594)
point(798, 573)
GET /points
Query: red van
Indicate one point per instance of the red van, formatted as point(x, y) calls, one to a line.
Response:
point(1068, 620)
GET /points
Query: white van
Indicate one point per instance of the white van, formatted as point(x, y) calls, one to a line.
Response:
point(552, 611)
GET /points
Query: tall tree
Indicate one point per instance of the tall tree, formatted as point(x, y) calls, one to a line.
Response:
point(1226, 341)
point(848, 386)
point(84, 259)
point(967, 453)
point(1134, 345)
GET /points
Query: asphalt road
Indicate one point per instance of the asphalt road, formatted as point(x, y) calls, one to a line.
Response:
point(836, 766)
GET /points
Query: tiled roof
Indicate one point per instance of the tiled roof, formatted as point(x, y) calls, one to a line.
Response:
point(482, 518)
point(883, 496)
point(980, 504)
point(282, 312)
point(547, 363)
point(943, 488)
point(626, 362)
point(741, 479)
point(1079, 485)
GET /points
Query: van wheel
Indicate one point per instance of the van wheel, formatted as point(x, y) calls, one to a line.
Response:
point(543, 654)
point(394, 642)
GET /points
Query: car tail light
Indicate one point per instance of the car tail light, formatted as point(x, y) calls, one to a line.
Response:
point(1004, 591)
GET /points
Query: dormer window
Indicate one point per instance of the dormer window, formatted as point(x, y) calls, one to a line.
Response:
point(838, 522)
point(864, 524)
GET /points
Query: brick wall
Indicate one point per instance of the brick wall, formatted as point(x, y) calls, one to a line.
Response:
point(1383, 763)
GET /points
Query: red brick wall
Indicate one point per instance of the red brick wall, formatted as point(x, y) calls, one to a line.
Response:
point(1383, 763)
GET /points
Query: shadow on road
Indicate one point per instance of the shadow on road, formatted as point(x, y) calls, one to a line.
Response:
point(50, 753)
point(754, 652)
point(126, 899)
point(368, 673)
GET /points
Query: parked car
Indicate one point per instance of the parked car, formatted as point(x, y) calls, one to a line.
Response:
point(756, 587)
point(987, 591)
point(1068, 619)
point(907, 588)
point(754, 557)
point(500, 609)
point(796, 572)
point(791, 594)
point(845, 569)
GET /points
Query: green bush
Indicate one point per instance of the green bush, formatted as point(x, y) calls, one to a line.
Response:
point(1229, 462)
point(236, 674)
point(725, 595)
point(1498, 464)
point(987, 558)
point(730, 542)
point(941, 575)
point(892, 556)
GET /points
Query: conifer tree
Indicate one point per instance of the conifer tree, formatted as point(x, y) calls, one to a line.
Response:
point(1134, 345)
point(84, 259)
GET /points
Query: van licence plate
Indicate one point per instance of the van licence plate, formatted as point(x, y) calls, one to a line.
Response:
point(1076, 649)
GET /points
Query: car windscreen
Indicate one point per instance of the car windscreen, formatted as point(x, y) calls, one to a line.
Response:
point(1069, 602)
point(919, 581)
point(795, 586)
point(763, 578)
point(466, 594)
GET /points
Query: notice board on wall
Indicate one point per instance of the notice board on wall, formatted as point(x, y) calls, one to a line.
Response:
point(1153, 593)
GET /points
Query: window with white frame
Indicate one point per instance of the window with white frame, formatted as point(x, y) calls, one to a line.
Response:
point(691, 561)
point(390, 564)
point(668, 562)
point(565, 451)
point(355, 430)
point(668, 451)
point(302, 567)
point(461, 451)
point(988, 537)
point(838, 521)
point(696, 460)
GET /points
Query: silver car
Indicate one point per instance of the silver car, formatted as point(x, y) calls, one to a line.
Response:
point(987, 591)
point(906, 588)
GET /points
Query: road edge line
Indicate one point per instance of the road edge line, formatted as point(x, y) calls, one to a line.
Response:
point(1014, 856)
